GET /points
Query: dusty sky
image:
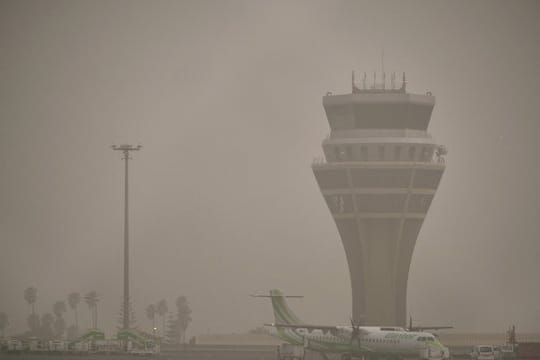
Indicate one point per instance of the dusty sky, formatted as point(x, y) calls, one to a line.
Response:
point(225, 96)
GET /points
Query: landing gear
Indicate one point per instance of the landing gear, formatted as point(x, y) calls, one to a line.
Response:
point(290, 352)
point(324, 356)
point(357, 357)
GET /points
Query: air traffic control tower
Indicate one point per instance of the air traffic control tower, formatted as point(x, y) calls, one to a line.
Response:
point(380, 172)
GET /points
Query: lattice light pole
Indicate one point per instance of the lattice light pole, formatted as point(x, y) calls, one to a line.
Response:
point(125, 148)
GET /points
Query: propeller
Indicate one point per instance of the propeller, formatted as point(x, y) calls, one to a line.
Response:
point(355, 334)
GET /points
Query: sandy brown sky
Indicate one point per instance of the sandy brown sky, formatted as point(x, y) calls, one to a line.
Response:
point(225, 96)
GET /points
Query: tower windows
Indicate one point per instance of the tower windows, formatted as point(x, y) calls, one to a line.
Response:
point(426, 154)
point(348, 151)
point(343, 153)
point(397, 153)
point(364, 152)
point(336, 153)
point(381, 152)
point(412, 153)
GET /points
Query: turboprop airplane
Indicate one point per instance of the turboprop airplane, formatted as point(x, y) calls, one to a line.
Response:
point(370, 342)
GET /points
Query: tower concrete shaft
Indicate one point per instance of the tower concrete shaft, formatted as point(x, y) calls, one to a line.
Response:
point(380, 172)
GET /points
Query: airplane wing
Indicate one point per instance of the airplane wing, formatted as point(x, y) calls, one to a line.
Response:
point(323, 328)
point(308, 327)
point(423, 328)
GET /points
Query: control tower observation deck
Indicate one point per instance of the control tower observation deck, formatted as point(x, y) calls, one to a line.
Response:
point(380, 173)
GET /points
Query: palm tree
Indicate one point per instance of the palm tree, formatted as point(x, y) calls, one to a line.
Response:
point(46, 326)
point(162, 311)
point(72, 333)
point(59, 308)
point(73, 300)
point(184, 315)
point(3, 323)
point(151, 314)
point(59, 327)
point(34, 324)
point(92, 299)
point(30, 295)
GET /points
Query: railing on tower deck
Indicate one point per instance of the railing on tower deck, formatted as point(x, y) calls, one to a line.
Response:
point(435, 159)
point(434, 155)
point(377, 89)
point(376, 133)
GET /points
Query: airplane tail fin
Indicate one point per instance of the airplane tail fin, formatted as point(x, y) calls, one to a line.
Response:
point(283, 315)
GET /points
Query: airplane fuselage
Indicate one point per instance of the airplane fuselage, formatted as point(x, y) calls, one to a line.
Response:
point(373, 340)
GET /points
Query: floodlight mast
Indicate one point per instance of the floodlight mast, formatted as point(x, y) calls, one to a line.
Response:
point(125, 148)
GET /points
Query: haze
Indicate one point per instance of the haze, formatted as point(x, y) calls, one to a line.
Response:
point(225, 97)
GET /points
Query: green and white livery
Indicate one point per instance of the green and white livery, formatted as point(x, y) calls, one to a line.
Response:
point(353, 341)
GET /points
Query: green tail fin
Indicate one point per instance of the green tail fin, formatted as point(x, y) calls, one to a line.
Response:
point(282, 313)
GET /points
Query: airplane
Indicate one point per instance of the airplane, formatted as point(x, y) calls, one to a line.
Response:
point(371, 342)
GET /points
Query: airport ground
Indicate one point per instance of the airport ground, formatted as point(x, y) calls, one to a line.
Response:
point(201, 352)
point(261, 347)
